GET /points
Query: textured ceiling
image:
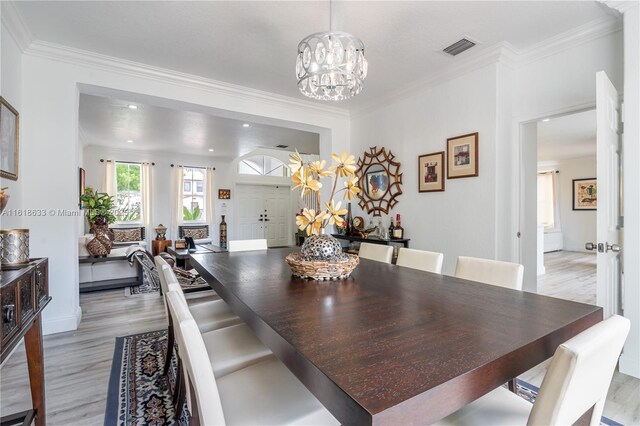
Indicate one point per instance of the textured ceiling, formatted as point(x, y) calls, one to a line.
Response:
point(110, 122)
point(253, 44)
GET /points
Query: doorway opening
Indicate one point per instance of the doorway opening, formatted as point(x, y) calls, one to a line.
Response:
point(566, 206)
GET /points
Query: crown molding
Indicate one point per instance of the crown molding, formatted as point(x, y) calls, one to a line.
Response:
point(503, 53)
point(57, 52)
point(569, 39)
point(620, 6)
point(16, 26)
point(506, 54)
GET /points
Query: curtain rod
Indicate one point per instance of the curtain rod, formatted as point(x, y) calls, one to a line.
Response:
point(193, 167)
point(102, 160)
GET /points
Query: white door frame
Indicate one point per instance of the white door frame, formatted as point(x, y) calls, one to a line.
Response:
point(526, 241)
point(254, 183)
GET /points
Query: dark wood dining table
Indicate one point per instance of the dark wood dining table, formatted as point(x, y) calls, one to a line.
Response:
point(392, 345)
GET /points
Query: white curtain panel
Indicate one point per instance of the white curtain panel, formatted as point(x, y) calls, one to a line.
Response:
point(147, 190)
point(210, 200)
point(177, 202)
point(109, 184)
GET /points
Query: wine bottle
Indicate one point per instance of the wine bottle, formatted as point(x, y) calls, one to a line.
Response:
point(398, 231)
point(391, 229)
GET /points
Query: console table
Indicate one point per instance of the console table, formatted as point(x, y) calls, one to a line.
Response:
point(373, 240)
point(24, 293)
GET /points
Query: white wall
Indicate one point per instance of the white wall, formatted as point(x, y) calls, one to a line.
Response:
point(558, 83)
point(11, 90)
point(578, 226)
point(52, 155)
point(460, 220)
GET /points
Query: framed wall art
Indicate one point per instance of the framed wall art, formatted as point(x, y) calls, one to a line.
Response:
point(462, 156)
point(9, 140)
point(81, 185)
point(224, 194)
point(585, 194)
point(431, 172)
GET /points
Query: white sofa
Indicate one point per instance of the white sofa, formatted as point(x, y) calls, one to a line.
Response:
point(111, 274)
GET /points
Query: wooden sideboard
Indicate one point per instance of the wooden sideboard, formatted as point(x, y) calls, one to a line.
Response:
point(24, 293)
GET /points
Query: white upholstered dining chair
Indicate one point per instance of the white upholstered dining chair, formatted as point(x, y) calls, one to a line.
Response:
point(229, 348)
point(265, 393)
point(574, 387)
point(247, 245)
point(423, 260)
point(495, 272)
point(210, 315)
point(192, 297)
point(376, 252)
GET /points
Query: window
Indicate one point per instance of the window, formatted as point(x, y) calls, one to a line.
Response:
point(128, 192)
point(194, 196)
point(547, 199)
point(263, 165)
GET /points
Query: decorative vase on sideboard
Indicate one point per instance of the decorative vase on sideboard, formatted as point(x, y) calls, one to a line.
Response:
point(223, 234)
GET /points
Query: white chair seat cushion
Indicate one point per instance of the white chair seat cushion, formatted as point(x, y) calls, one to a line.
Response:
point(499, 407)
point(213, 315)
point(201, 296)
point(233, 348)
point(267, 393)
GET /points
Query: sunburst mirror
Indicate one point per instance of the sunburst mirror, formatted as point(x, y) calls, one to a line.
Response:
point(380, 181)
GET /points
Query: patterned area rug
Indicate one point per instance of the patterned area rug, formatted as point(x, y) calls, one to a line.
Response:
point(139, 394)
point(150, 286)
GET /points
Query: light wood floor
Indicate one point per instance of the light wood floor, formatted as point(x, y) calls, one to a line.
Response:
point(78, 363)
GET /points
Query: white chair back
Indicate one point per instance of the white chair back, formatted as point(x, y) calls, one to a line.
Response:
point(495, 272)
point(160, 264)
point(579, 375)
point(197, 364)
point(247, 245)
point(376, 252)
point(420, 259)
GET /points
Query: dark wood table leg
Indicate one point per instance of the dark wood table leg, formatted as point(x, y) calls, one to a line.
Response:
point(35, 363)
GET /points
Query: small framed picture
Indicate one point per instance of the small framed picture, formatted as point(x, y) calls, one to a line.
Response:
point(224, 194)
point(431, 172)
point(9, 140)
point(462, 156)
point(81, 185)
point(585, 194)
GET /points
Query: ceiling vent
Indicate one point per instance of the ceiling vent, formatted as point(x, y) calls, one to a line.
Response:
point(459, 46)
point(282, 146)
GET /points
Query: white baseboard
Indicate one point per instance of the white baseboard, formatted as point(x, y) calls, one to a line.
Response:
point(59, 325)
point(630, 365)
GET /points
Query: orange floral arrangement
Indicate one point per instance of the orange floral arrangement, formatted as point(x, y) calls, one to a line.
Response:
point(307, 177)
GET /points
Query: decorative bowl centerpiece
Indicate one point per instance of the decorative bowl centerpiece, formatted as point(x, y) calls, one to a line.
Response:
point(321, 256)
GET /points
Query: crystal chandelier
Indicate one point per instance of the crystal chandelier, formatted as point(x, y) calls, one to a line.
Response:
point(331, 65)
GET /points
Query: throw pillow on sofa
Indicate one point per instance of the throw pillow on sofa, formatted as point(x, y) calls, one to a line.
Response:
point(199, 233)
point(126, 235)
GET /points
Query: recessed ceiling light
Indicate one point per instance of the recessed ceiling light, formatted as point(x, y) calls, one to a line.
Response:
point(129, 141)
point(210, 149)
point(133, 106)
point(246, 125)
point(546, 120)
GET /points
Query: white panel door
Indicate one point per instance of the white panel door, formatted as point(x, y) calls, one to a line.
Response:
point(608, 214)
point(264, 212)
point(278, 215)
point(250, 206)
